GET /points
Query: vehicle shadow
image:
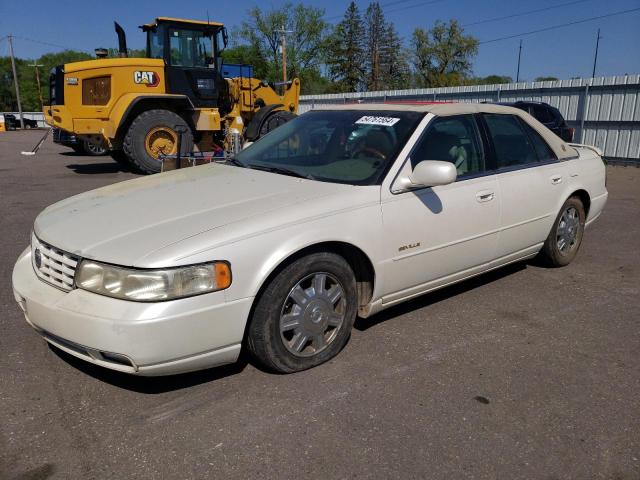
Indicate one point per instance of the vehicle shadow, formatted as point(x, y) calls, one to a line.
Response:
point(432, 298)
point(97, 168)
point(151, 385)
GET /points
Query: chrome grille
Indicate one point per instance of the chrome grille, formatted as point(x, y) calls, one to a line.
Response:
point(52, 265)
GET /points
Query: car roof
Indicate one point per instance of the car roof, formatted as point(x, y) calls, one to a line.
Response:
point(560, 147)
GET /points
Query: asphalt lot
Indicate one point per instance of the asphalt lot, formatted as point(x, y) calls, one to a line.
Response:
point(527, 372)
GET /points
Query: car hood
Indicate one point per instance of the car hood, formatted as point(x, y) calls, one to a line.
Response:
point(124, 222)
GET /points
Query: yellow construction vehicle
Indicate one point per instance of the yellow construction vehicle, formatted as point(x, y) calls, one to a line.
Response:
point(137, 107)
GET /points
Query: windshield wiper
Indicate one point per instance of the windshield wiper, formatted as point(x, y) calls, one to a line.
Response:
point(283, 171)
point(236, 162)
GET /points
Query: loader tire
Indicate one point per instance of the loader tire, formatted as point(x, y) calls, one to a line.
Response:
point(276, 119)
point(121, 158)
point(153, 133)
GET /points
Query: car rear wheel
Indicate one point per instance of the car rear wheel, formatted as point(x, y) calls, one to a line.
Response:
point(154, 133)
point(564, 240)
point(304, 316)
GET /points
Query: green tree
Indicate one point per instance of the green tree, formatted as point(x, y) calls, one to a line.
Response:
point(305, 40)
point(375, 33)
point(489, 80)
point(394, 66)
point(545, 79)
point(345, 52)
point(386, 63)
point(27, 79)
point(442, 56)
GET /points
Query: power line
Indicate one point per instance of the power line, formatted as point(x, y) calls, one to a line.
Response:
point(414, 6)
point(397, 2)
point(631, 10)
point(47, 43)
point(494, 19)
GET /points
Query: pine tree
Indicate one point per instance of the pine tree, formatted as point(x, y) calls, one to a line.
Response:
point(375, 30)
point(346, 52)
point(394, 66)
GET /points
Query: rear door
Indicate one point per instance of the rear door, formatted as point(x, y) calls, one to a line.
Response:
point(530, 179)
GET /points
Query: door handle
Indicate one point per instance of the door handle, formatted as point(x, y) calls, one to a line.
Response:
point(556, 179)
point(484, 196)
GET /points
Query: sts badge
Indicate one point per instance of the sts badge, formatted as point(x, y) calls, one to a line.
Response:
point(150, 79)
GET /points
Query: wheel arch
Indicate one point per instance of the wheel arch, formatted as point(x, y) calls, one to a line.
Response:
point(252, 132)
point(357, 259)
point(584, 197)
point(141, 103)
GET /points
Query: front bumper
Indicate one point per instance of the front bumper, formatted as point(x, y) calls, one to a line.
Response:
point(160, 338)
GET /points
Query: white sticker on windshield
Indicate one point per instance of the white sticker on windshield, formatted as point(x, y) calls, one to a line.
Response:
point(373, 120)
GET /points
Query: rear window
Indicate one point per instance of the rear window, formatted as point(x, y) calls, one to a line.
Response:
point(511, 143)
point(542, 114)
point(541, 147)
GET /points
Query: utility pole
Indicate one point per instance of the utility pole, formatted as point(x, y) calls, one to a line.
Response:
point(283, 45)
point(15, 80)
point(36, 66)
point(595, 58)
point(519, 54)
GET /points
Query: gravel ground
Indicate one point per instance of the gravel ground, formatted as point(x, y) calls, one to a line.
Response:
point(526, 372)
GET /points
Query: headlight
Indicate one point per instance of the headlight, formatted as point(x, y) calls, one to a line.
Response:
point(152, 285)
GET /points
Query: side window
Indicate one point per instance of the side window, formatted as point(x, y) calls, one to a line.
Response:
point(510, 142)
point(542, 114)
point(541, 147)
point(452, 139)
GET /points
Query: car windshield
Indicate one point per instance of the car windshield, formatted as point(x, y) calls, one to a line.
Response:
point(342, 146)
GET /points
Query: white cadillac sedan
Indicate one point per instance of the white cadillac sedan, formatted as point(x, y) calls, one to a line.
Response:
point(341, 212)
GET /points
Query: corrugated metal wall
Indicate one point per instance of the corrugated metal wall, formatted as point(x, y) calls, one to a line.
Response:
point(605, 111)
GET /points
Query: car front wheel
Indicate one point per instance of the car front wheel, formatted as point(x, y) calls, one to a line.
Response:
point(564, 240)
point(305, 314)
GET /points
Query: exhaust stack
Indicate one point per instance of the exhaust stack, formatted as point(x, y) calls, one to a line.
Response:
point(122, 40)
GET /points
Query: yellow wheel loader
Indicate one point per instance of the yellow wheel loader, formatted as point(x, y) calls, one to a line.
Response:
point(137, 107)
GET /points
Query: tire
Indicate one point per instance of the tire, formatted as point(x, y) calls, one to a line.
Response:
point(154, 132)
point(121, 158)
point(276, 119)
point(77, 148)
point(326, 321)
point(560, 250)
point(93, 150)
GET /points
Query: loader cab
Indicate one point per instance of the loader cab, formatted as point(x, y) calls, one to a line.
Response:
point(192, 54)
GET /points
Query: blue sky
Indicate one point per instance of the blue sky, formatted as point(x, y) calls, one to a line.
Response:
point(564, 53)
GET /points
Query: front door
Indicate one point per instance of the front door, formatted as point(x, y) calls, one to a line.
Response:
point(435, 236)
point(191, 67)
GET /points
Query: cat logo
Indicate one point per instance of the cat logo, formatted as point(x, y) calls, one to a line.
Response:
point(150, 79)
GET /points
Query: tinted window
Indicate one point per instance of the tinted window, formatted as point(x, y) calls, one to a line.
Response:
point(511, 143)
point(452, 139)
point(543, 150)
point(542, 114)
point(344, 146)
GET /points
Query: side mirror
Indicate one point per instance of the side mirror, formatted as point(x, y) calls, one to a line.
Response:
point(225, 37)
point(430, 173)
